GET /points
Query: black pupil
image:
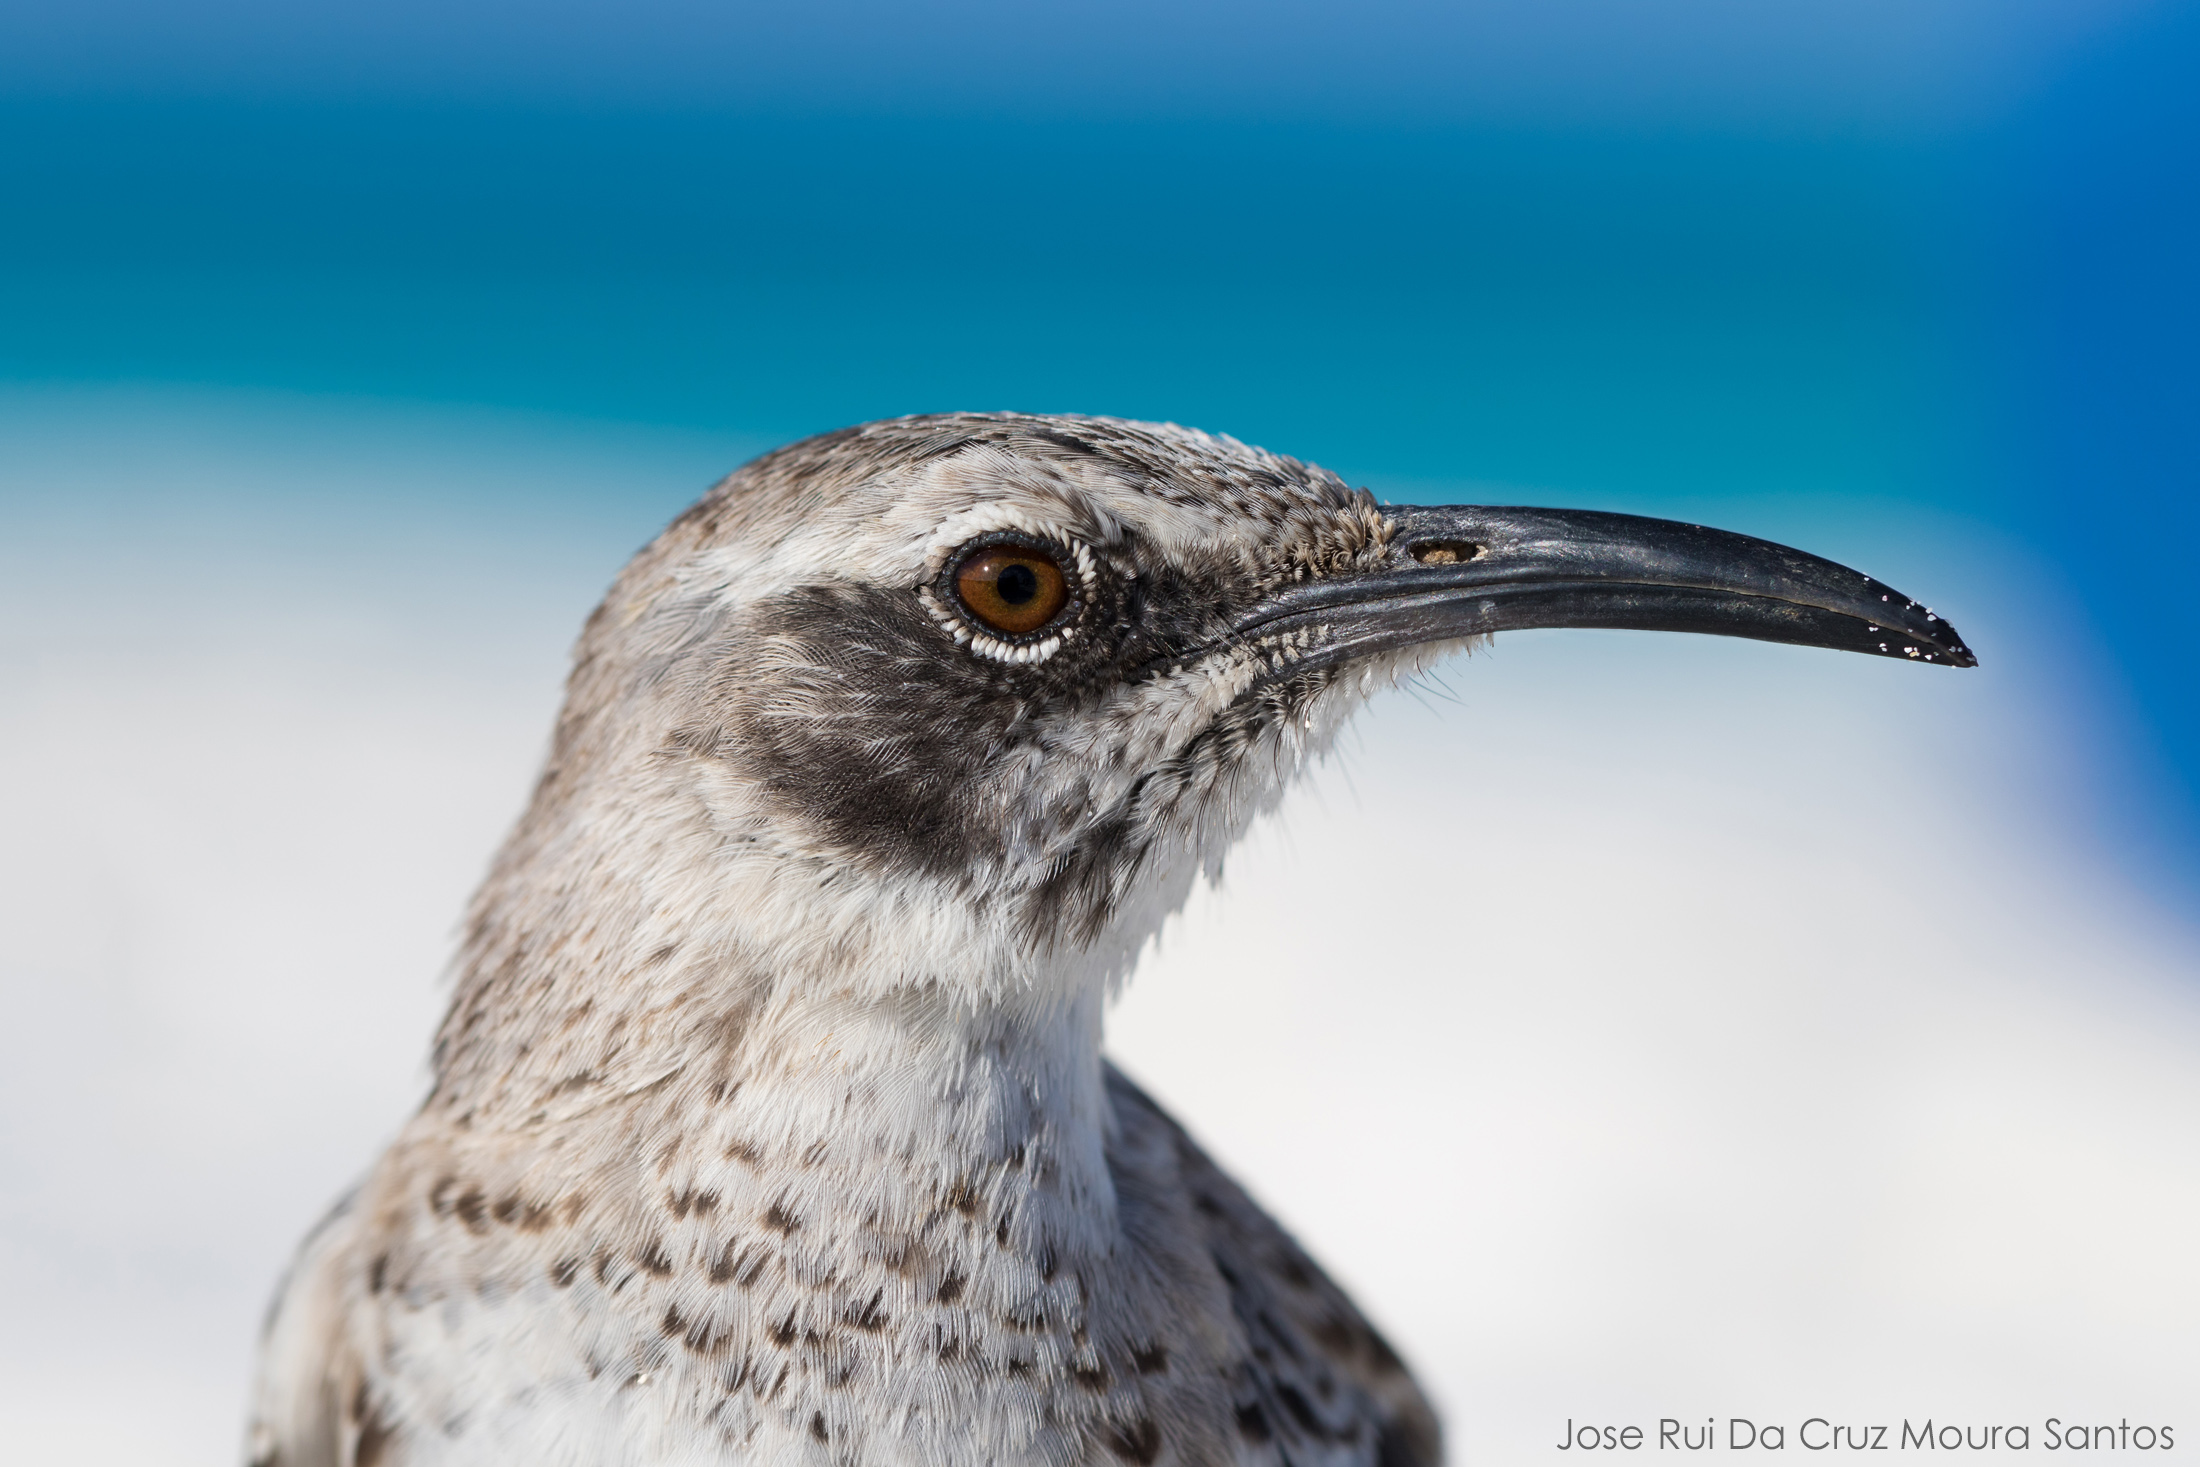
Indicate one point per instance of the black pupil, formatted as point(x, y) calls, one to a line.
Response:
point(1018, 584)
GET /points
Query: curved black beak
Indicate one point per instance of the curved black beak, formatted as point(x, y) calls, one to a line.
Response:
point(1463, 570)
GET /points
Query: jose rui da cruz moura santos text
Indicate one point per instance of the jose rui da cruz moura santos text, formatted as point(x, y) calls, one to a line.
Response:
point(1824, 1434)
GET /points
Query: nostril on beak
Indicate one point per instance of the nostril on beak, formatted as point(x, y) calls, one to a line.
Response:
point(1445, 552)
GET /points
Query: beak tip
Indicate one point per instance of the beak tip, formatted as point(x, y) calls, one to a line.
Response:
point(1945, 650)
point(1926, 637)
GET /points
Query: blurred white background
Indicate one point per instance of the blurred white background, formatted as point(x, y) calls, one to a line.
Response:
point(1639, 1026)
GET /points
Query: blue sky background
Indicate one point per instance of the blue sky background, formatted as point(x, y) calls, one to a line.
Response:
point(1664, 258)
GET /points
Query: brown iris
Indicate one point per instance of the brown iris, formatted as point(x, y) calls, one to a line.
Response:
point(1012, 589)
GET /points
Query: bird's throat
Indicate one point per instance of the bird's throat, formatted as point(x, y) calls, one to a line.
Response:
point(973, 1100)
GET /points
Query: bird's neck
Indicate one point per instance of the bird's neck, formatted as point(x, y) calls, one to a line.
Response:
point(768, 1023)
point(856, 1136)
point(792, 1093)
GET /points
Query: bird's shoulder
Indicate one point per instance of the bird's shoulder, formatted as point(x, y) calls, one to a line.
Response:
point(1314, 1374)
point(305, 1408)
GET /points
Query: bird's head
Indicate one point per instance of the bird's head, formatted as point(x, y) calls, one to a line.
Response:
point(970, 700)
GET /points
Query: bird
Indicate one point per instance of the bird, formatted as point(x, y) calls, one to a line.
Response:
point(769, 1122)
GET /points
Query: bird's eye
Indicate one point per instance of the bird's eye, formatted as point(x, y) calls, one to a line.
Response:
point(1012, 589)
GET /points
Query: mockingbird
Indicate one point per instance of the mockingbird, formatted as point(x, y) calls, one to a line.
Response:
point(769, 1120)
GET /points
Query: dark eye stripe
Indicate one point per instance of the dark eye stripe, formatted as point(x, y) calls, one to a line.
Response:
point(1011, 589)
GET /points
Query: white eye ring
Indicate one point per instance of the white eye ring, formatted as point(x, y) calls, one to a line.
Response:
point(954, 540)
